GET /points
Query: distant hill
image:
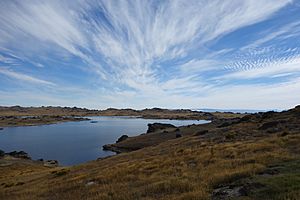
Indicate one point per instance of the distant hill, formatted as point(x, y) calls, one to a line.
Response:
point(233, 110)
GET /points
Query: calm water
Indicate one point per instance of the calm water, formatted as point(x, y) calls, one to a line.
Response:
point(75, 142)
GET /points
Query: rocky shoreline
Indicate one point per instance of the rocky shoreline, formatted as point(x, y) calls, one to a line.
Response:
point(12, 121)
point(152, 128)
point(218, 130)
point(15, 156)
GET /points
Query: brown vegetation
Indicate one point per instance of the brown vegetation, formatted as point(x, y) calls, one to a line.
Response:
point(6, 121)
point(153, 113)
point(207, 159)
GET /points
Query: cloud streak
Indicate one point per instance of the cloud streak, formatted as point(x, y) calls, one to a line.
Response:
point(146, 48)
point(24, 77)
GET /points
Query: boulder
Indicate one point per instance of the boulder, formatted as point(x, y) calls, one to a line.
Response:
point(51, 163)
point(178, 135)
point(122, 138)
point(229, 192)
point(158, 126)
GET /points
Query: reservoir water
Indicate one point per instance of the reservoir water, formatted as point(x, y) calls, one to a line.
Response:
point(76, 142)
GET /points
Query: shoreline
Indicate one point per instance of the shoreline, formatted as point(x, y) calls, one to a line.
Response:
point(16, 121)
point(63, 119)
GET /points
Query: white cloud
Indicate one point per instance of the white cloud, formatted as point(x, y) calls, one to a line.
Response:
point(127, 42)
point(198, 66)
point(275, 96)
point(287, 31)
point(139, 33)
point(45, 21)
point(24, 77)
point(264, 69)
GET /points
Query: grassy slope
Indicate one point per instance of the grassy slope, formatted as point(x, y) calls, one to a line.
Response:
point(284, 184)
point(154, 113)
point(185, 168)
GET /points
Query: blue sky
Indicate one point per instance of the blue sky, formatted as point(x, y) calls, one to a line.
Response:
point(138, 53)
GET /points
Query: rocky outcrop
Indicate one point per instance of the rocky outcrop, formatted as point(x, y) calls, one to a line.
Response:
point(2, 153)
point(110, 147)
point(208, 116)
point(202, 132)
point(22, 156)
point(18, 154)
point(158, 126)
point(116, 149)
point(268, 125)
point(178, 135)
point(228, 192)
point(122, 138)
point(51, 163)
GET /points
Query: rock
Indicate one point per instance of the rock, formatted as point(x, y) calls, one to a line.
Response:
point(192, 163)
point(178, 134)
point(269, 172)
point(110, 147)
point(93, 122)
point(122, 138)
point(208, 114)
point(158, 126)
point(283, 134)
point(51, 163)
point(202, 132)
point(225, 124)
point(268, 125)
point(246, 118)
point(90, 183)
point(268, 114)
point(228, 192)
point(274, 130)
point(229, 122)
point(2, 153)
point(1, 129)
point(19, 154)
point(106, 147)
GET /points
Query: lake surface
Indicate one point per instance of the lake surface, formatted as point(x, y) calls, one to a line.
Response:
point(76, 142)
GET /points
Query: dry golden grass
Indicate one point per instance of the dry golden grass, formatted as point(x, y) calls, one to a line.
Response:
point(184, 168)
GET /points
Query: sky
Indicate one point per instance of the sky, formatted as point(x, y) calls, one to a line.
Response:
point(229, 54)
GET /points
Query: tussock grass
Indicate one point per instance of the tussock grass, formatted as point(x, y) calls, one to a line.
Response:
point(185, 168)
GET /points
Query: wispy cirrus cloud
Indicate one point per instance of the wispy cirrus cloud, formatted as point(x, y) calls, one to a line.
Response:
point(146, 48)
point(24, 77)
point(275, 69)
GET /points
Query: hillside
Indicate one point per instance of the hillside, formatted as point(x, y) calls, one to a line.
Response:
point(150, 113)
point(28, 116)
point(253, 157)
